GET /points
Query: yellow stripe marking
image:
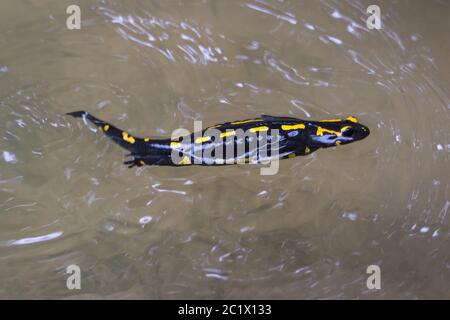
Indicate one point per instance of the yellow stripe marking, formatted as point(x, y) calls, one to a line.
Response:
point(227, 134)
point(246, 121)
point(263, 128)
point(142, 162)
point(106, 127)
point(307, 150)
point(338, 142)
point(345, 128)
point(352, 119)
point(146, 139)
point(331, 120)
point(287, 127)
point(321, 131)
point(185, 160)
point(175, 145)
point(128, 138)
point(202, 139)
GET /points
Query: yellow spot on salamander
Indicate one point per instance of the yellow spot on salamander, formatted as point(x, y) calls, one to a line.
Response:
point(246, 121)
point(142, 162)
point(287, 127)
point(262, 128)
point(227, 134)
point(146, 139)
point(175, 145)
point(185, 160)
point(307, 150)
point(106, 127)
point(352, 119)
point(128, 138)
point(202, 139)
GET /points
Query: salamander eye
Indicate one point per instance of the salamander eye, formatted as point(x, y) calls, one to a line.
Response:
point(348, 132)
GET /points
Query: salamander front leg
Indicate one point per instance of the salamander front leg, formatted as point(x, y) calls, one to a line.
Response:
point(136, 160)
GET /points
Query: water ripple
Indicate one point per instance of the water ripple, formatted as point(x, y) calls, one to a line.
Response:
point(37, 239)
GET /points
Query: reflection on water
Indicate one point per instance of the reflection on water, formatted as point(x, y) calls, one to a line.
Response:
point(310, 231)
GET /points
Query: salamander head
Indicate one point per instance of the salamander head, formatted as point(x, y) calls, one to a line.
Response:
point(330, 133)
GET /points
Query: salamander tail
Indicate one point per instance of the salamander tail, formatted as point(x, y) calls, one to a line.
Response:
point(77, 114)
point(122, 138)
point(88, 116)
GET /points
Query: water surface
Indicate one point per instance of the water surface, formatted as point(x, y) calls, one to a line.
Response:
point(150, 67)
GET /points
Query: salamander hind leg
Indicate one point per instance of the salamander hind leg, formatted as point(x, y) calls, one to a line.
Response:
point(141, 159)
point(136, 160)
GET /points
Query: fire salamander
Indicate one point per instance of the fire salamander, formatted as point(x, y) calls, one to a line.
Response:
point(247, 141)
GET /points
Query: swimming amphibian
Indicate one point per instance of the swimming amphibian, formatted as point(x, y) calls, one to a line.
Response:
point(246, 141)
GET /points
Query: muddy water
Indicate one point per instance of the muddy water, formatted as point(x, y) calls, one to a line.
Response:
point(309, 231)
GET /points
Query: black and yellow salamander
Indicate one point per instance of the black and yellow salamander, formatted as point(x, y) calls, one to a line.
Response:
point(246, 141)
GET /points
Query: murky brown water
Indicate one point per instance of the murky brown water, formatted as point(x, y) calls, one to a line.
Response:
point(224, 232)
